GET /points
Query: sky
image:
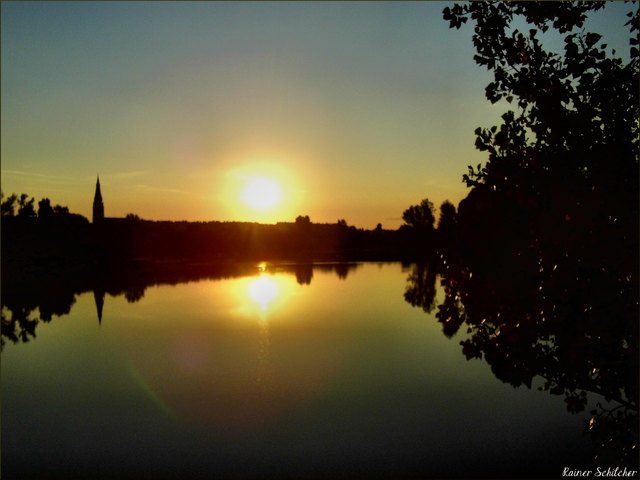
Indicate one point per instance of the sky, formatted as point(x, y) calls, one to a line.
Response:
point(243, 111)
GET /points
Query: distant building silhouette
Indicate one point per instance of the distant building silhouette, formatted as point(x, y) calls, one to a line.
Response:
point(98, 206)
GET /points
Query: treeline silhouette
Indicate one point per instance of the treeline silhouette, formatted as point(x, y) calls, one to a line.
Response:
point(50, 255)
point(224, 241)
point(52, 239)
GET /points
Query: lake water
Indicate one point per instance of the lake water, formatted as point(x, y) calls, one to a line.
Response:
point(277, 375)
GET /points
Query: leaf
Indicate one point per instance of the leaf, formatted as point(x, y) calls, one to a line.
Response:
point(572, 49)
point(509, 98)
point(592, 39)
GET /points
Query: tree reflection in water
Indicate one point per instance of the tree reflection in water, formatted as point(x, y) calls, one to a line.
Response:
point(29, 298)
point(50, 296)
point(543, 269)
point(421, 286)
point(575, 328)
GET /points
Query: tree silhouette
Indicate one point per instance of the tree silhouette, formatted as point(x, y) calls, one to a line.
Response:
point(9, 205)
point(447, 218)
point(25, 207)
point(60, 210)
point(446, 227)
point(420, 216)
point(418, 230)
point(546, 271)
point(574, 134)
point(300, 220)
point(44, 208)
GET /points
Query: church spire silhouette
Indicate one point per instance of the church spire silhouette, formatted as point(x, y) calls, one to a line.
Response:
point(98, 206)
point(98, 295)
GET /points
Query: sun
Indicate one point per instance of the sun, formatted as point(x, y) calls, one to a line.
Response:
point(267, 191)
point(262, 193)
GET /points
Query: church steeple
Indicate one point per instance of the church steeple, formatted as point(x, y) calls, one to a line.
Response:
point(98, 295)
point(98, 206)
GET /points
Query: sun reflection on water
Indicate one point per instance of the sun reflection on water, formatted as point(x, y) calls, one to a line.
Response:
point(267, 296)
point(263, 291)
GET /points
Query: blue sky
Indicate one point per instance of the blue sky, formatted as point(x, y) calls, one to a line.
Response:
point(357, 110)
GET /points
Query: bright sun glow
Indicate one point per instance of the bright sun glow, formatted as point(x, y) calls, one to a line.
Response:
point(263, 291)
point(267, 191)
point(262, 193)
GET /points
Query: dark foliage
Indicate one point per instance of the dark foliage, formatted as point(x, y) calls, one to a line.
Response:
point(420, 216)
point(418, 231)
point(9, 205)
point(421, 286)
point(544, 273)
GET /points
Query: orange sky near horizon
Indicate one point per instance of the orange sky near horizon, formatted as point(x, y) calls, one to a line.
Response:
point(353, 110)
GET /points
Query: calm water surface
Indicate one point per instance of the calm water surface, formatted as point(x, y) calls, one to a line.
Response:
point(269, 375)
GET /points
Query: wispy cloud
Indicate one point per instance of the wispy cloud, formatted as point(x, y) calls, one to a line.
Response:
point(133, 174)
point(39, 175)
point(44, 176)
point(150, 188)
